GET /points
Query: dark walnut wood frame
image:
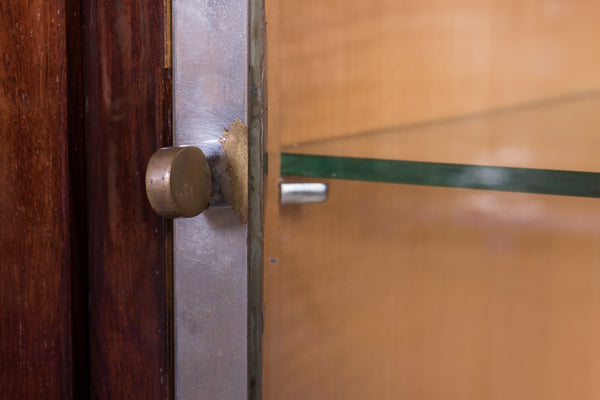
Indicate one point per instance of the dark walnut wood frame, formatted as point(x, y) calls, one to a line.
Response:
point(85, 293)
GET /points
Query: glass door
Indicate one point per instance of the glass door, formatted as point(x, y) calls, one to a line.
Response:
point(457, 255)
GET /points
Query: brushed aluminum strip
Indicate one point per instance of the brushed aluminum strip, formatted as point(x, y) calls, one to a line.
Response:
point(210, 69)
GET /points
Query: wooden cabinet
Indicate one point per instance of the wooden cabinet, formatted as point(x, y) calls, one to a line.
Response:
point(85, 297)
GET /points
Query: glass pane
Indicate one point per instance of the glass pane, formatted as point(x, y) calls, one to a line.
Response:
point(560, 134)
point(406, 292)
point(457, 254)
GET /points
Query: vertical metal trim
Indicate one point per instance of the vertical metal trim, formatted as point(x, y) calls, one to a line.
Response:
point(210, 59)
point(257, 100)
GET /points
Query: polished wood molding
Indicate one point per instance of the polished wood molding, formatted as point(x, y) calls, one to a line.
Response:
point(128, 116)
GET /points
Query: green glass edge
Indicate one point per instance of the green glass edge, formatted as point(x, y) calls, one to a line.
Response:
point(507, 179)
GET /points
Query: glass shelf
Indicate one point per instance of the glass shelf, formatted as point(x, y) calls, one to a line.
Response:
point(545, 148)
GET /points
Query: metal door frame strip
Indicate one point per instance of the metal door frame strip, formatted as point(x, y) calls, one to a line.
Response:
point(210, 65)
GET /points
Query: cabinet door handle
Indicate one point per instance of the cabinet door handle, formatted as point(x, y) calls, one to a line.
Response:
point(178, 182)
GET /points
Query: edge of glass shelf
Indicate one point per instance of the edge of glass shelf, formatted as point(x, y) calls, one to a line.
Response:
point(464, 176)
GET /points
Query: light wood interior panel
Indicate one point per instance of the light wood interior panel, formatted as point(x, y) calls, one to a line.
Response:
point(348, 66)
point(394, 291)
point(405, 292)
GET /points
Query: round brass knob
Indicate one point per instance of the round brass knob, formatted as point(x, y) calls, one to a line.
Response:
point(178, 182)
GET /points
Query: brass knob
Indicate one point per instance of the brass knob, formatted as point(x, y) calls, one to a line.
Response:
point(178, 182)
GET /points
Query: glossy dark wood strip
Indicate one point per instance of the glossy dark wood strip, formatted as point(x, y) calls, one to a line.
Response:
point(127, 117)
point(35, 213)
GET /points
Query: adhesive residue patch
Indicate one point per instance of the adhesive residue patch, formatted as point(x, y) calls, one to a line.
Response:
point(235, 144)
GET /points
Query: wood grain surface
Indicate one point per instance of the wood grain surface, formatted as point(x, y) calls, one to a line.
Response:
point(405, 292)
point(347, 67)
point(128, 111)
point(395, 291)
point(38, 231)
